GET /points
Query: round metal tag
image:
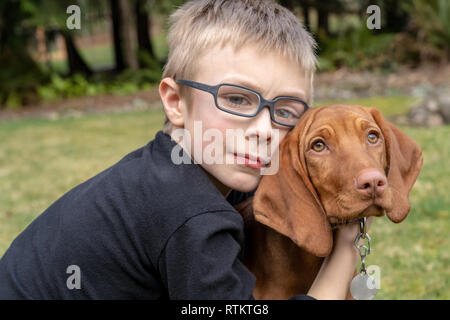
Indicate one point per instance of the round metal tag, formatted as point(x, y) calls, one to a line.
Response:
point(363, 287)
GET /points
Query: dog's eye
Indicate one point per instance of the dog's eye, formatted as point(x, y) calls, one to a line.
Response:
point(318, 146)
point(372, 137)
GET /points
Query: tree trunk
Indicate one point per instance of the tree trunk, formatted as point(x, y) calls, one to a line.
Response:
point(396, 16)
point(288, 4)
point(322, 22)
point(305, 11)
point(116, 27)
point(128, 34)
point(74, 59)
point(143, 24)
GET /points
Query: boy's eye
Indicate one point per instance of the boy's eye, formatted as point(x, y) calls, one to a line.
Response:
point(237, 100)
point(285, 113)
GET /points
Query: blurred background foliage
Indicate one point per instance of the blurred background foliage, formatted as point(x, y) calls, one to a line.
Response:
point(113, 52)
point(62, 89)
point(121, 46)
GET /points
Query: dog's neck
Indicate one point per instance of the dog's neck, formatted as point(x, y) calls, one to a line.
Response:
point(274, 258)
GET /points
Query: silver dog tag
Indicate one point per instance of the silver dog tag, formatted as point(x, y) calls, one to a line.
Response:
point(363, 287)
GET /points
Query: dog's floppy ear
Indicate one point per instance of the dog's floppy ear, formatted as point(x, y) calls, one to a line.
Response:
point(404, 159)
point(287, 200)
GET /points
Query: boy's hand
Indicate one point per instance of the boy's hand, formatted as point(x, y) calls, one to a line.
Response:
point(336, 273)
point(346, 235)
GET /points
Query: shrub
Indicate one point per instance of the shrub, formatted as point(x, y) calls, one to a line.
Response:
point(20, 78)
point(127, 82)
point(357, 49)
point(430, 28)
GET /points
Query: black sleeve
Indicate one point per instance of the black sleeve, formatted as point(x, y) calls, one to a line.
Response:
point(201, 260)
point(302, 297)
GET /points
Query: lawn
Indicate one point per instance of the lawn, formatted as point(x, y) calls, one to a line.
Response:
point(41, 159)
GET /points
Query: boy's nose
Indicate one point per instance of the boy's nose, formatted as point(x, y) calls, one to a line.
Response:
point(261, 125)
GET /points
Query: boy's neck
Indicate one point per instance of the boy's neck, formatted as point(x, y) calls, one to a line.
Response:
point(224, 190)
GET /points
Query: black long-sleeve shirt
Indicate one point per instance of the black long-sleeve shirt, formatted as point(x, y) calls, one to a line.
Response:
point(145, 228)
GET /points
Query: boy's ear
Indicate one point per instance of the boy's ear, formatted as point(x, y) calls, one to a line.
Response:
point(169, 91)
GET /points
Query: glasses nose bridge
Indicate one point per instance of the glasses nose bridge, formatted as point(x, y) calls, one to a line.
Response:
point(263, 103)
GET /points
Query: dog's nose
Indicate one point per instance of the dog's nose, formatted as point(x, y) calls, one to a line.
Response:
point(371, 183)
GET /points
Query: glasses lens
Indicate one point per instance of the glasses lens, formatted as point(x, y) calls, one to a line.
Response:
point(288, 111)
point(237, 100)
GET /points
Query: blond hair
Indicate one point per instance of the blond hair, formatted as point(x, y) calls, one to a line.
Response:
point(201, 24)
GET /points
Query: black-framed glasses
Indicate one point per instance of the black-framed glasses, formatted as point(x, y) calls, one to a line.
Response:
point(246, 102)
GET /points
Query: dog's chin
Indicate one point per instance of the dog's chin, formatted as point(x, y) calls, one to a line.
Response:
point(374, 209)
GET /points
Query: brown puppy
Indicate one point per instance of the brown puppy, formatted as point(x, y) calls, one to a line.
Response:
point(338, 164)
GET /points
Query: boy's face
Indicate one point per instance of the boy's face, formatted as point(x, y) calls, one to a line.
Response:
point(272, 75)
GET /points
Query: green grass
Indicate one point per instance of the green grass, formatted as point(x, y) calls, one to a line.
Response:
point(389, 105)
point(42, 159)
point(414, 255)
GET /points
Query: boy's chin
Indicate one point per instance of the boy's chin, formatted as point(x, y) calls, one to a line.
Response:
point(241, 181)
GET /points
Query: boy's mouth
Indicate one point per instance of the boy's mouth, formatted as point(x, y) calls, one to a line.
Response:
point(251, 161)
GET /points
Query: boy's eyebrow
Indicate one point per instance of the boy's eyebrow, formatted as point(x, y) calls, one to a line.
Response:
point(247, 83)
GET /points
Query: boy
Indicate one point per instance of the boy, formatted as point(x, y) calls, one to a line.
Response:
point(151, 228)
